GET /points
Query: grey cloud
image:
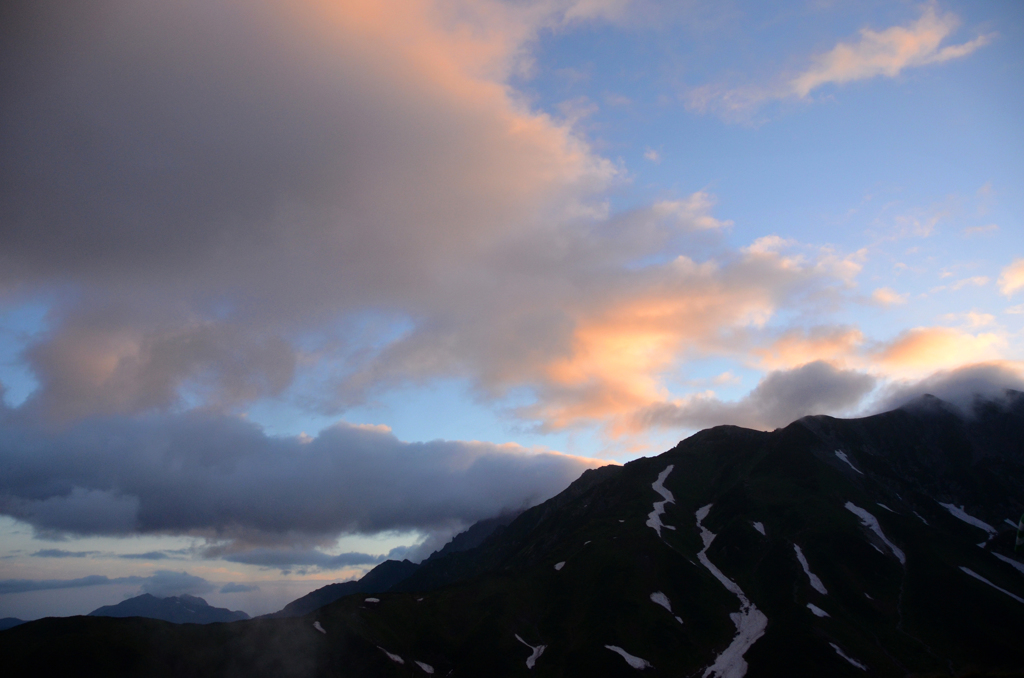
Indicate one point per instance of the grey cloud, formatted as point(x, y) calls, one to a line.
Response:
point(232, 587)
point(779, 399)
point(960, 387)
point(164, 583)
point(289, 558)
point(152, 555)
point(222, 477)
point(25, 585)
point(60, 553)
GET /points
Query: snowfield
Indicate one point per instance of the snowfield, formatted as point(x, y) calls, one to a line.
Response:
point(537, 652)
point(635, 662)
point(959, 512)
point(815, 582)
point(818, 612)
point(848, 658)
point(871, 522)
point(393, 657)
point(750, 622)
point(842, 456)
point(977, 576)
point(654, 518)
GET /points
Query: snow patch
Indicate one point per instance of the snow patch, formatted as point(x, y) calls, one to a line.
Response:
point(818, 612)
point(661, 599)
point(1010, 561)
point(393, 657)
point(1010, 523)
point(815, 582)
point(371, 600)
point(654, 518)
point(586, 542)
point(427, 668)
point(635, 662)
point(843, 457)
point(316, 625)
point(920, 518)
point(959, 512)
point(749, 621)
point(848, 658)
point(871, 522)
point(759, 527)
point(885, 507)
point(537, 652)
point(559, 566)
point(868, 597)
point(977, 576)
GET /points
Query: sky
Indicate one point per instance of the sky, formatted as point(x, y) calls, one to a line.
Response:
point(289, 288)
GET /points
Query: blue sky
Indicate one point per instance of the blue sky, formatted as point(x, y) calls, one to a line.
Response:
point(290, 287)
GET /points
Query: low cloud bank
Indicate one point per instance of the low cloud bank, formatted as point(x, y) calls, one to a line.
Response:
point(223, 478)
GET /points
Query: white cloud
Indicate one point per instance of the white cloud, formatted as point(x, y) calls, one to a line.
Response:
point(1012, 278)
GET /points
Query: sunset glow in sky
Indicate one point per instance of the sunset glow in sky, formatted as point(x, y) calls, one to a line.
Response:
point(290, 287)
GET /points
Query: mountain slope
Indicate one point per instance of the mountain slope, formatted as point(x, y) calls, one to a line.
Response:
point(876, 546)
point(183, 609)
point(380, 578)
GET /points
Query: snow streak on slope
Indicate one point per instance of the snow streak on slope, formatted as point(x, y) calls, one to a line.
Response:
point(842, 455)
point(977, 576)
point(818, 612)
point(1013, 563)
point(559, 566)
point(393, 657)
point(537, 652)
point(871, 522)
point(654, 518)
point(316, 625)
point(815, 582)
point(847, 658)
point(750, 622)
point(635, 662)
point(759, 527)
point(661, 599)
point(959, 512)
point(427, 668)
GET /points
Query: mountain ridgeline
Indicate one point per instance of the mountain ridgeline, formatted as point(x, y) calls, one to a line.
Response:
point(183, 609)
point(879, 546)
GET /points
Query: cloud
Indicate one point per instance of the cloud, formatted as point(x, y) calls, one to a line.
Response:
point(779, 399)
point(959, 387)
point(923, 350)
point(222, 477)
point(151, 555)
point(875, 53)
point(1012, 277)
point(232, 587)
point(888, 297)
point(652, 155)
point(887, 53)
point(980, 230)
point(165, 583)
point(60, 553)
point(25, 585)
point(290, 558)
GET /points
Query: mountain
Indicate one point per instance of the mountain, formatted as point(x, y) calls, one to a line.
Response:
point(380, 578)
point(183, 609)
point(879, 546)
point(390, 573)
point(10, 623)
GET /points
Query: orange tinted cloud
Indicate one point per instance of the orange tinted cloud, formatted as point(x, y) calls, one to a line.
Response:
point(928, 349)
point(1012, 277)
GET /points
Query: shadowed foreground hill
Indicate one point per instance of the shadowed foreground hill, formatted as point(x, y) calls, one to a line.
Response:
point(878, 546)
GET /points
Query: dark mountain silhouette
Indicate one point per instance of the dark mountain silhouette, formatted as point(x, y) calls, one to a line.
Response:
point(390, 573)
point(380, 578)
point(879, 546)
point(183, 609)
point(10, 623)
